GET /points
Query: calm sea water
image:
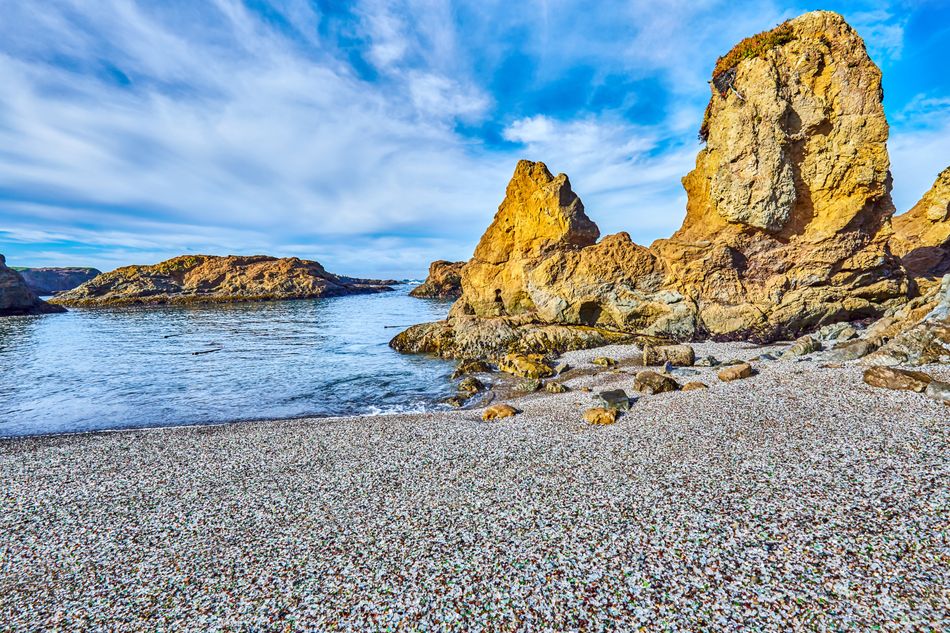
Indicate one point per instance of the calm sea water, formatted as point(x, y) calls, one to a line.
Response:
point(105, 369)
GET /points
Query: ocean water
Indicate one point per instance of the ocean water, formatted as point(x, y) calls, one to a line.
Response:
point(138, 367)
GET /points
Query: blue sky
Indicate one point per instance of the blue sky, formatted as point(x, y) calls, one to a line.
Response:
point(377, 136)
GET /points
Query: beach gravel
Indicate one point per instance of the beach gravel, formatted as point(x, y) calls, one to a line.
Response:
point(799, 498)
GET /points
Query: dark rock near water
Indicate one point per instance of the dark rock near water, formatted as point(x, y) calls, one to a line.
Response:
point(16, 298)
point(444, 281)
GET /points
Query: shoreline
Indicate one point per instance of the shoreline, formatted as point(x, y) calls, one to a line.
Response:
point(799, 495)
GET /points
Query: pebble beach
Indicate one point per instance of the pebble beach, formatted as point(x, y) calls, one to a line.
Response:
point(799, 498)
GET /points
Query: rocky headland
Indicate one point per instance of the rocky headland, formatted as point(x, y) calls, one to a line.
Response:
point(213, 279)
point(922, 235)
point(49, 281)
point(444, 281)
point(16, 297)
point(787, 228)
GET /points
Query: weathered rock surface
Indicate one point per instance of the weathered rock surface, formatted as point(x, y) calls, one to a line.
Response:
point(444, 281)
point(600, 416)
point(48, 281)
point(614, 399)
point(652, 382)
point(526, 366)
point(787, 225)
point(16, 298)
point(802, 346)
point(922, 235)
point(498, 411)
point(735, 372)
point(917, 341)
point(899, 379)
point(212, 279)
point(676, 355)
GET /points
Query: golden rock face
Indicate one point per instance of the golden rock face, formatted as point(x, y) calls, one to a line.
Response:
point(787, 224)
point(922, 235)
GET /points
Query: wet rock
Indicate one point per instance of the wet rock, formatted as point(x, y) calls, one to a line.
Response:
point(600, 415)
point(801, 347)
point(470, 386)
point(498, 411)
point(652, 382)
point(614, 399)
point(900, 379)
point(529, 386)
point(526, 366)
point(677, 355)
point(456, 401)
point(735, 372)
point(468, 366)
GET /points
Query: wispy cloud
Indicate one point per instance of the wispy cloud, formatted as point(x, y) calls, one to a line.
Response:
point(373, 136)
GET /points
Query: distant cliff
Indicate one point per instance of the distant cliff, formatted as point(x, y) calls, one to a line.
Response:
point(16, 298)
point(48, 281)
point(213, 279)
point(922, 235)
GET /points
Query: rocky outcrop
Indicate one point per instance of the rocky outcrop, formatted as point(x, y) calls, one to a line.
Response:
point(444, 281)
point(787, 225)
point(16, 298)
point(915, 340)
point(49, 281)
point(922, 235)
point(212, 279)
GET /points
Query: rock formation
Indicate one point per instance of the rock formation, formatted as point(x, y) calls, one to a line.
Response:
point(787, 224)
point(212, 279)
point(444, 281)
point(16, 298)
point(922, 235)
point(48, 281)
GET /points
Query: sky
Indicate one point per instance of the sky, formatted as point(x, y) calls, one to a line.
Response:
point(377, 136)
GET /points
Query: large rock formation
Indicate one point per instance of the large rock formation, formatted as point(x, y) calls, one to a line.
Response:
point(16, 298)
point(922, 235)
point(211, 279)
point(444, 281)
point(48, 281)
point(787, 221)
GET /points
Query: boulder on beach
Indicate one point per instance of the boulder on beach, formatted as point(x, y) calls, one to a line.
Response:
point(213, 279)
point(16, 297)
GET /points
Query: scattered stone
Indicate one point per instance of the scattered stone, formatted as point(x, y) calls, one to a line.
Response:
point(561, 368)
point(615, 399)
point(526, 366)
point(706, 361)
point(603, 361)
point(470, 386)
point(556, 387)
point(456, 401)
point(683, 371)
point(831, 365)
point(678, 355)
point(729, 363)
point(768, 356)
point(498, 411)
point(802, 347)
point(468, 366)
point(735, 372)
point(600, 416)
point(939, 391)
point(853, 350)
point(651, 382)
point(529, 385)
point(692, 386)
point(893, 378)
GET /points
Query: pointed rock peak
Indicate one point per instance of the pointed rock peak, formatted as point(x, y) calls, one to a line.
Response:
point(922, 235)
point(540, 212)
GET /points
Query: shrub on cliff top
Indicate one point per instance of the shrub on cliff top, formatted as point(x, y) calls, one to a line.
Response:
point(748, 48)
